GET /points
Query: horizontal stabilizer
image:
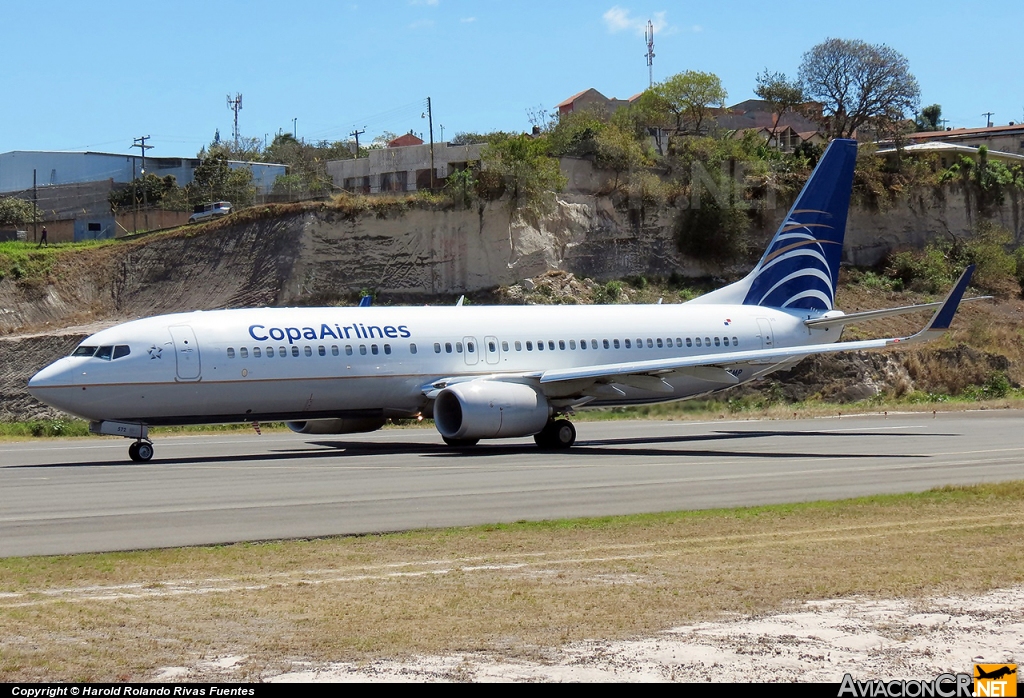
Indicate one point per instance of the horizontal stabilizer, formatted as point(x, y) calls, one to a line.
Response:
point(868, 315)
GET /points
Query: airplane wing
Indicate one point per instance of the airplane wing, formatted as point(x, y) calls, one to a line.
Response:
point(710, 366)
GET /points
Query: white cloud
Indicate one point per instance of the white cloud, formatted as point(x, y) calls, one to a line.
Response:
point(619, 19)
point(467, 20)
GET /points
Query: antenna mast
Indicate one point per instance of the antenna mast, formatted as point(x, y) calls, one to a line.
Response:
point(235, 105)
point(649, 37)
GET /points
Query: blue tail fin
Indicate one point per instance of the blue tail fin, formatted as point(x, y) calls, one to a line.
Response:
point(800, 268)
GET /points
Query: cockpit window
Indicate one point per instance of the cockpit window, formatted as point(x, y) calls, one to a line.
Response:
point(121, 350)
point(104, 353)
point(84, 351)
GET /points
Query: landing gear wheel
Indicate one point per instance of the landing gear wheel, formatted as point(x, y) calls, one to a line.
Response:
point(140, 451)
point(556, 434)
point(460, 443)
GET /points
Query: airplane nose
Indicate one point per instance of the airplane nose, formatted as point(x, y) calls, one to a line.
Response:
point(57, 373)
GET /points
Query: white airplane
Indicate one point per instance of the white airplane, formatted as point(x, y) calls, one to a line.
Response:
point(480, 372)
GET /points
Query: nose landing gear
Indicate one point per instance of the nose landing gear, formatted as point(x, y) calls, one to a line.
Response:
point(140, 451)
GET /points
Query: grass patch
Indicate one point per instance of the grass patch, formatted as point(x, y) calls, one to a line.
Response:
point(510, 589)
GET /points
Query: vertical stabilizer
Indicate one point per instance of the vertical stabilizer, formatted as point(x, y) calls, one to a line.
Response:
point(800, 268)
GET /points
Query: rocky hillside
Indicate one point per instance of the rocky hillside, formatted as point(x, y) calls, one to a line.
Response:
point(326, 253)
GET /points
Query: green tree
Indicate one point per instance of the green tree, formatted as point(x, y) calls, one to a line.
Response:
point(307, 162)
point(214, 180)
point(930, 118)
point(148, 189)
point(858, 82)
point(529, 175)
point(689, 97)
point(781, 93)
point(576, 133)
point(16, 212)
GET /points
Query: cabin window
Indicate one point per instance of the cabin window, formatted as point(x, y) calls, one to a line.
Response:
point(735, 342)
point(321, 350)
point(689, 342)
point(660, 343)
point(707, 341)
point(583, 344)
point(698, 341)
point(458, 347)
point(334, 350)
point(412, 348)
point(679, 341)
point(615, 343)
point(387, 348)
point(540, 345)
point(448, 347)
point(551, 344)
point(519, 346)
point(725, 341)
point(718, 341)
point(282, 352)
point(492, 347)
point(593, 344)
point(529, 346)
point(256, 352)
point(295, 350)
point(348, 350)
point(437, 347)
point(86, 351)
point(639, 343)
point(362, 349)
point(231, 352)
point(105, 353)
point(270, 352)
point(374, 350)
point(650, 343)
point(243, 353)
point(561, 344)
point(668, 341)
point(470, 347)
point(504, 346)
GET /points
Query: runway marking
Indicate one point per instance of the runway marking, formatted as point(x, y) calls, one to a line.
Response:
point(491, 563)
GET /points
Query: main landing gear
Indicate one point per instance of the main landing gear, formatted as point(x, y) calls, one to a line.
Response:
point(140, 451)
point(556, 434)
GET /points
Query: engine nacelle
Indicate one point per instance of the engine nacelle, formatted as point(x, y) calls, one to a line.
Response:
point(337, 426)
point(483, 409)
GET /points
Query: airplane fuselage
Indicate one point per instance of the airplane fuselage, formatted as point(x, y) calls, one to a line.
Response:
point(311, 363)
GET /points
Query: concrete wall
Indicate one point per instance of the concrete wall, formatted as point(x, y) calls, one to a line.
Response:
point(410, 159)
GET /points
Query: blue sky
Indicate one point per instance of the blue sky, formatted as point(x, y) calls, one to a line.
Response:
point(93, 76)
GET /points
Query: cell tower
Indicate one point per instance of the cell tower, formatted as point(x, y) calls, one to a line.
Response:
point(649, 38)
point(235, 105)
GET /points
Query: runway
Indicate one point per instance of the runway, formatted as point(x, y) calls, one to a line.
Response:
point(69, 496)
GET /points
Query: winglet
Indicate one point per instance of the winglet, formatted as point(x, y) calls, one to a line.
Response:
point(943, 317)
point(365, 301)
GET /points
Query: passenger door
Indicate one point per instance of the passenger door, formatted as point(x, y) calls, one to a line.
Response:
point(186, 353)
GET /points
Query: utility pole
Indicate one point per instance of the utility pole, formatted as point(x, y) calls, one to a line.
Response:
point(295, 132)
point(235, 105)
point(430, 121)
point(140, 143)
point(35, 206)
point(442, 133)
point(649, 38)
point(355, 134)
point(988, 117)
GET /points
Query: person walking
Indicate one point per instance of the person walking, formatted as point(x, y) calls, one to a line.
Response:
point(42, 239)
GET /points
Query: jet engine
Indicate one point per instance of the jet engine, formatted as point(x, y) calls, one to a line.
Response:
point(337, 426)
point(485, 409)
